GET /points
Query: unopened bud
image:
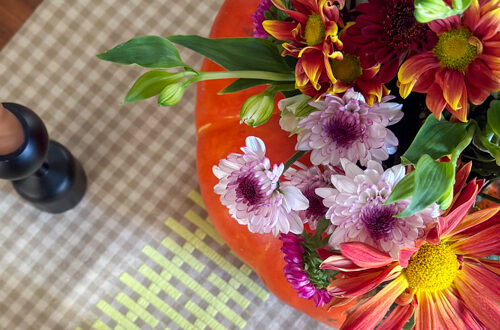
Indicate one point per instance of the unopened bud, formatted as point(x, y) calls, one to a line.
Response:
point(172, 94)
point(257, 109)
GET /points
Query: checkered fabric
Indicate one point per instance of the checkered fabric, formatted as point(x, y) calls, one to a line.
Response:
point(138, 252)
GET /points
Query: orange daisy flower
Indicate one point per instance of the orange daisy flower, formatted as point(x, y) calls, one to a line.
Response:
point(464, 64)
point(311, 37)
point(446, 282)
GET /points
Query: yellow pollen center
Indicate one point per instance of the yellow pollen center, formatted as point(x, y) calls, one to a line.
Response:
point(348, 69)
point(432, 268)
point(315, 30)
point(454, 50)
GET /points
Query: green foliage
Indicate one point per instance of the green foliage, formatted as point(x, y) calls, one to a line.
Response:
point(242, 84)
point(233, 53)
point(432, 181)
point(429, 10)
point(146, 51)
point(150, 84)
point(493, 116)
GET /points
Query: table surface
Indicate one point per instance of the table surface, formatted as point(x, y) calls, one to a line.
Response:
point(139, 251)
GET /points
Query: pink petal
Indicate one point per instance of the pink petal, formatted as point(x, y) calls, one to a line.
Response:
point(398, 318)
point(482, 244)
point(365, 255)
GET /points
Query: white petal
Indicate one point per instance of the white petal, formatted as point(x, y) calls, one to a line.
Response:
point(256, 145)
point(351, 169)
point(294, 198)
point(344, 184)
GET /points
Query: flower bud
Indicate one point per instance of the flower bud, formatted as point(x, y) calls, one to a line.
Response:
point(429, 10)
point(172, 94)
point(293, 109)
point(257, 109)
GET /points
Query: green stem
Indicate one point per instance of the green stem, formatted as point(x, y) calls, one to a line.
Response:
point(293, 159)
point(490, 198)
point(265, 75)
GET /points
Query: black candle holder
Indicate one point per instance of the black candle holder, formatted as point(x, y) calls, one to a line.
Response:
point(42, 171)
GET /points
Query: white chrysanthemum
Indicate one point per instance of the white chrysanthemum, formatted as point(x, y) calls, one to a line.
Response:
point(356, 207)
point(349, 128)
point(307, 180)
point(249, 189)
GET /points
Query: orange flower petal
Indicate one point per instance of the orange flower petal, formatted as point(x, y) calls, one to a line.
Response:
point(464, 202)
point(341, 263)
point(485, 309)
point(480, 245)
point(405, 254)
point(475, 218)
point(369, 314)
point(482, 280)
point(398, 318)
point(414, 66)
point(448, 318)
point(453, 81)
point(365, 255)
point(492, 265)
point(435, 100)
point(425, 314)
point(312, 64)
point(461, 311)
point(358, 285)
point(489, 24)
point(279, 30)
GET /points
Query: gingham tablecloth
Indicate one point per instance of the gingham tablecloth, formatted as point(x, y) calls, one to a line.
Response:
point(139, 251)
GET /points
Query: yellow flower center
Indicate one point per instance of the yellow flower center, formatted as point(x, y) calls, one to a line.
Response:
point(315, 30)
point(347, 69)
point(432, 268)
point(454, 50)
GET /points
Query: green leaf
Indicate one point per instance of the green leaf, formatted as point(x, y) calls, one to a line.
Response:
point(145, 51)
point(493, 116)
point(150, 84)
point(461, 5)
point(432, 183)
point(237, 53)
point(403, 190)
point(241, 84)
point(437, 138)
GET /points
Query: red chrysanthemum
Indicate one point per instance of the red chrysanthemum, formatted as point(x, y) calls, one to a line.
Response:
point(311, 37)
point(357, 70)
point(464, 64)
point(387, 31)
point(446, 282)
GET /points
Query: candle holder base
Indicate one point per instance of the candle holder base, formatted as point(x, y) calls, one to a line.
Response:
point(58, 185)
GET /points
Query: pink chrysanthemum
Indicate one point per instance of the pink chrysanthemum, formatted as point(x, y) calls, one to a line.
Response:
point(356, 207)
point(296, 274)
point(249, 189)
point(307, 180)
point(258, 17)
point(349, 128)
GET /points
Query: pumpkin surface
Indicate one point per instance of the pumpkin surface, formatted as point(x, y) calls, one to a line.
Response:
point(220, 133)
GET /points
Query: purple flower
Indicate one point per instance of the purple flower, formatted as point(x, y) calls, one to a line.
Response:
point(295, 272)
point(249, 188)
point(307, 180)
point(258, 18)
point(349, 128)
point(356, 207)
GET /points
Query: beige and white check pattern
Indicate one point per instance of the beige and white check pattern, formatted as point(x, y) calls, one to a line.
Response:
point(139, 159)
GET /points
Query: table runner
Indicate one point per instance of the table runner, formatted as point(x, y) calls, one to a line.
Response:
point(139, 251)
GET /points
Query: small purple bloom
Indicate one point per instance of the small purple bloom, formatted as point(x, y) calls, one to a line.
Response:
point(249, 188)
point(295, 272)
point(258, 18)
point(347, 127)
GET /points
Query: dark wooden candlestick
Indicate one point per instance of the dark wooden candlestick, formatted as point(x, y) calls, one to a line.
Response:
point(42, 171)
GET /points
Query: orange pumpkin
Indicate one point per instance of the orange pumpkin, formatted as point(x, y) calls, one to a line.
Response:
point(220, 133)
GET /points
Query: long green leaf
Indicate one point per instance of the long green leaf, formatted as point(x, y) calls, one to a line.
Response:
point(436, 138)
point(493, 116)
point(403, 190)
point(145, 51)
point(241, 84)
point(237, 53)
point(432, 184)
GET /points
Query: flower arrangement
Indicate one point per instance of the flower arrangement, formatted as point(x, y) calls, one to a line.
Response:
point(392, 108)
